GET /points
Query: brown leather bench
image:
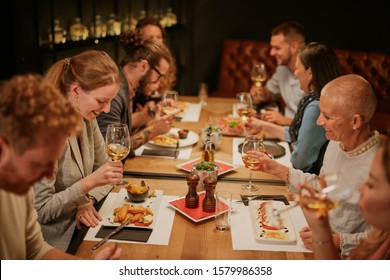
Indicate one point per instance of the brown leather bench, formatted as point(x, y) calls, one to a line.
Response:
point(238, 56)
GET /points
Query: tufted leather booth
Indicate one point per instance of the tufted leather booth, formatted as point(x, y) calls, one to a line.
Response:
point(238, 56)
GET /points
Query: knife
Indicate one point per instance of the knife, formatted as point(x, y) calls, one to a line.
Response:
point(104, 240)
point(177, 150)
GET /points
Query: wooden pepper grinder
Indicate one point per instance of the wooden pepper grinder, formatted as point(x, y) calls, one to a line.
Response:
point(209, 184)
point(192, 197)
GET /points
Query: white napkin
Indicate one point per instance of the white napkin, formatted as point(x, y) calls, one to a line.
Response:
point(243, 231)
point(161, 231)
point(193, 112)
point(184, 153)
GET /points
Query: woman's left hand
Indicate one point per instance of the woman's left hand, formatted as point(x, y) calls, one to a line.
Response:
point(87, 215)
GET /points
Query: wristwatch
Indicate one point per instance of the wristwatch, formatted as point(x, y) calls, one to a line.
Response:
point(91, 197)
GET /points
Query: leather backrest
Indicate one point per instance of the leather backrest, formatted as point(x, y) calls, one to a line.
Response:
point(239, 55)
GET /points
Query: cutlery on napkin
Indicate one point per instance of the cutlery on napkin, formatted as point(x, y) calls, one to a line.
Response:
point(246, 198)
point(161, 153)
point(105, 239)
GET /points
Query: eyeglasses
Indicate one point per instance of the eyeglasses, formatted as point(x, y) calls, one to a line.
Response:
point(158, 72)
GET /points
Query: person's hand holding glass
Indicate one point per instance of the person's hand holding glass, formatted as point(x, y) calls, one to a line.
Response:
point(251, 143)
point(118, 143)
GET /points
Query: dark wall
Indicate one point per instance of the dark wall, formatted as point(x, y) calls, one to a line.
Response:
point(205, 24)
point(341, 24)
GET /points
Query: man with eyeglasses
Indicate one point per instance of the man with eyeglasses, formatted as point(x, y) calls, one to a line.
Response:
point(142, 69)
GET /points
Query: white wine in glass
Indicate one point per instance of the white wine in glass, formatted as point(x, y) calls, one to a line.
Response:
point(259, 74)
point(169, 102)
point(118, 142)
point(329, 194)
point(251, 143)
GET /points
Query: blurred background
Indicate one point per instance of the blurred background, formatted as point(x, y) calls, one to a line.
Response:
point(195, 29)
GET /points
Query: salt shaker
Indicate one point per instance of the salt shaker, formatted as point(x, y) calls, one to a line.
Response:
point(208, 204)
point(192, 197)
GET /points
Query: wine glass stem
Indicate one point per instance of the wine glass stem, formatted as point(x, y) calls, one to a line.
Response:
point(250, 178)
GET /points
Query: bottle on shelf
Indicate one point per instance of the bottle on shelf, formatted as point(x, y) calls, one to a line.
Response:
point(203, 93)
point(98, 28)
point(192, 197)
point(208, 204)
point(78, 31)
point(209, 148)
point(169, 19)
point(59, 33)
point(113, 25)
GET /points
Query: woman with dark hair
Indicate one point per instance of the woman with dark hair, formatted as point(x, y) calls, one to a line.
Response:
point(316, 65)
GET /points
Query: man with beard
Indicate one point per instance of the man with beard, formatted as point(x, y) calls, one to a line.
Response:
point(144, 65)
point(286, 41)
point(35, 123)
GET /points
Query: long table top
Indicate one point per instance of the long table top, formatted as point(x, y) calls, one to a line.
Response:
point(190, 240)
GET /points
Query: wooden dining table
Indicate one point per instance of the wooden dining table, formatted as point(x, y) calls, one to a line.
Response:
point(191, 240)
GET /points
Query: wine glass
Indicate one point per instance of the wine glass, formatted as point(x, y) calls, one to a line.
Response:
point(169, 102)
point(244, 106)
point(319, 194)
point(118, 143)
point(259, 74)
point(251, 143)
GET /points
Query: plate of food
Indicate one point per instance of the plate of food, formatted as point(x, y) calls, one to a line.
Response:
point(143, 214)
point(195, 214)
point(223, 167)
point(170, 139)
point(267, 228)
point(232, 126)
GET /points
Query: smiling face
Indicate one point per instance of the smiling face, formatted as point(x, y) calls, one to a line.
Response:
point(303, 75)
point(19, 172)
point(152, 80)
point(153, 33)
point(375, 195)
point(91, 104)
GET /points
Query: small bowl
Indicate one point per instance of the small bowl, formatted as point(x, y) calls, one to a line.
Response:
point(137, 197)
point(183, 133)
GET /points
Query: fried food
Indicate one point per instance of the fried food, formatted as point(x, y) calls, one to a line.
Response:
point(140, 215)
point(136, 188)
point(166, 139)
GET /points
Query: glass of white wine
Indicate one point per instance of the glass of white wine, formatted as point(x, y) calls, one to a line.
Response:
point(259, 74)
point(244, 106)
point(118, 143)
point(320, 194)
point(169, 102)
point(251, 143)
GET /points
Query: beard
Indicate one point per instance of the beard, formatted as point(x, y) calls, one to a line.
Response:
point(144, 82)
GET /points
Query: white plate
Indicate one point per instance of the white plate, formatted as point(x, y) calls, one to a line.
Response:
point(286, 235)
point(152, 202)
point(192, 138)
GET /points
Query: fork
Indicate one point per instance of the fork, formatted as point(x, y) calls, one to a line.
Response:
point(176, 150)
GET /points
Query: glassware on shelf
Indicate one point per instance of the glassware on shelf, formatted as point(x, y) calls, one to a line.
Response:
point(142, 14)
point(128, 23)
point(59, 33)
point(113, 25)
point(169, 19)
point(78, 31)
point(98, 28)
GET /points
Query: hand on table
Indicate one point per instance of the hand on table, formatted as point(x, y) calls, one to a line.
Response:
point(109, 253)
point(87, 215)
